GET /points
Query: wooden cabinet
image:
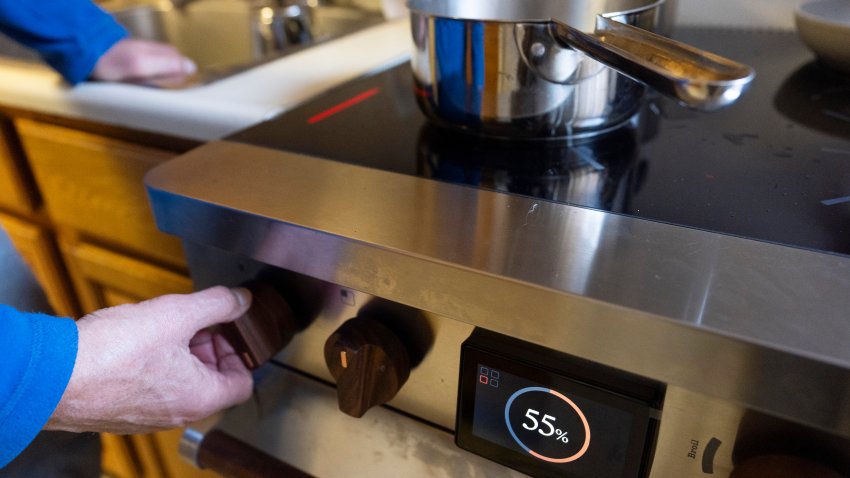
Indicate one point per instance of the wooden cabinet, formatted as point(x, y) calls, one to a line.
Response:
point(36, 246)
point(104, 278)
point(17, 189)
point(93, 185)
point(147, 456)
point(74, 205)
point(119, 457)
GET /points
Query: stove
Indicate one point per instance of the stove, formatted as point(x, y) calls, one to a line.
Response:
point(667, 298)
point(773, 167)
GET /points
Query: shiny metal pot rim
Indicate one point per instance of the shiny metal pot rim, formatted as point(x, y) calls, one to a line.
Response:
point(526, 11)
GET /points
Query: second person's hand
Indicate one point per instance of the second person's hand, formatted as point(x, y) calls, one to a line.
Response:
point(134, 59)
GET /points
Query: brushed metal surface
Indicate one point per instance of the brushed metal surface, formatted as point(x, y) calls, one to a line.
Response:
point(295, 420)
point(515, 79)
point(580, 13)
point(689, 422)
point(547, 78)
point(431, 391)
point(757, 324)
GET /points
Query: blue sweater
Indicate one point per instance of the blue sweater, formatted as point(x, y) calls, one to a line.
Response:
point(37, 354)
point(70, 35)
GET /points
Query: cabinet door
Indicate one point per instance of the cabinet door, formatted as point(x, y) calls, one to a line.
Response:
point(36, 247)
point(93, 185)
point(17, 189)
point(104, 278)
point(155, 455)
point(119, 458)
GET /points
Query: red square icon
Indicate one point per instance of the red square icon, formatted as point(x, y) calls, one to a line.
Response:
point(483, 379)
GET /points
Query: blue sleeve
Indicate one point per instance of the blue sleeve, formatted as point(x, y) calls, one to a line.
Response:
point(70, 35)
point(37, 355)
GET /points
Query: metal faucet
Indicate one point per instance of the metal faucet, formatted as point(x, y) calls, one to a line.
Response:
point(280, 24)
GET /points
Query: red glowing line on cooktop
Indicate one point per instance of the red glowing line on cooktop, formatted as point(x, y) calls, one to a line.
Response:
point(343, 106)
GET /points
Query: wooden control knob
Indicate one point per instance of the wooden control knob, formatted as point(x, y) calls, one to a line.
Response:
point(368, 361)
point(264, 329)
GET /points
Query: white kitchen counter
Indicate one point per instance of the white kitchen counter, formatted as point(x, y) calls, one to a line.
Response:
point(215, 110)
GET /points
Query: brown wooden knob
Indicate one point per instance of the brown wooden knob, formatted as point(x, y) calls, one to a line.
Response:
point(264, 329)
point(368, 361)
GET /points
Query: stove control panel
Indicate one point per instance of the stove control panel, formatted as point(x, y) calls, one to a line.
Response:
point(549, 414)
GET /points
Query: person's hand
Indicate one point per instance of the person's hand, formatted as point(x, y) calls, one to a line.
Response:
point(155, 365)
point(135, 59)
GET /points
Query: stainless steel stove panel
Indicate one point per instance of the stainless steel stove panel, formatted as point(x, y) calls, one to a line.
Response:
point(743, 321)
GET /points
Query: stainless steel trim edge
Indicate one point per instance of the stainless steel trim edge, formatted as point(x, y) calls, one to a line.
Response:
point(761, 325)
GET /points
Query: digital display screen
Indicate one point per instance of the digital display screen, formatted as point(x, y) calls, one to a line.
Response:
point(545, 424)
point(563, 428)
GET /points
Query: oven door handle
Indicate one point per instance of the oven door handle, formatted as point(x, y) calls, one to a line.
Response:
point(233, 458)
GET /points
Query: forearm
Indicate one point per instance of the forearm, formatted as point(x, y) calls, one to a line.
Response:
point(38, 356)
point(70, 35)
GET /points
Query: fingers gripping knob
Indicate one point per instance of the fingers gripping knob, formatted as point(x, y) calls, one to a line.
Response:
point(267, 326)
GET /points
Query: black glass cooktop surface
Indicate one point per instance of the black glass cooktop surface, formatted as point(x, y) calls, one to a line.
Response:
point(775, 166)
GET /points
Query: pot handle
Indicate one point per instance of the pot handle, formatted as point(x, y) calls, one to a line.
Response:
point(694, 77)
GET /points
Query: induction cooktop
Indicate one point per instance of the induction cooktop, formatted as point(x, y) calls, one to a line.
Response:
point(773, 167)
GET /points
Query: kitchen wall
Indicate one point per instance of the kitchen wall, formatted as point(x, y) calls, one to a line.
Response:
point(739, 13)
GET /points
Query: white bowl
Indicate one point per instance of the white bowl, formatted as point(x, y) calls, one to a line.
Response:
point(824, 26)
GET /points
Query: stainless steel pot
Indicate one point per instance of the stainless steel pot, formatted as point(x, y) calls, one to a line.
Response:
point(526, 69)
